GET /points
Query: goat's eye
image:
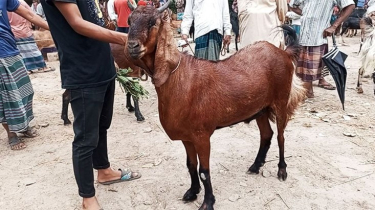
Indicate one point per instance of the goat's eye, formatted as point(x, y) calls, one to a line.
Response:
point(151, 23)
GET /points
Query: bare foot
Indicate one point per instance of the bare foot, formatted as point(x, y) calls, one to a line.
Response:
point(106, 175)
point(90, 204)
point(324, 84)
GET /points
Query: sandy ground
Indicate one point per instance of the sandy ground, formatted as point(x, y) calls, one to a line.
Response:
point(326, 169)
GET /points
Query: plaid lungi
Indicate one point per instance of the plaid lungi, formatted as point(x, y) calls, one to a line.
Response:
point(30, 53)
point(310, 63)
point(16, 94)
point(208, 46)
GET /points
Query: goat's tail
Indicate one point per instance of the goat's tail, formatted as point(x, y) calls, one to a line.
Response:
point(292, 43)
point(296, 96)
point(297, 91)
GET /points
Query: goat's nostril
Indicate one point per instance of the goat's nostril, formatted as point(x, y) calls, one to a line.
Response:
point(133, 44)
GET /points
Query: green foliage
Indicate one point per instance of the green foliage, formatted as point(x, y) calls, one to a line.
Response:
point(131, 85)
point(172, 6)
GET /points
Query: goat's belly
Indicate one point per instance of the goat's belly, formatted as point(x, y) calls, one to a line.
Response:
point(232, 120)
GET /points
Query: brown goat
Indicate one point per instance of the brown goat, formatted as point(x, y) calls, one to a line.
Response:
point(196, 97)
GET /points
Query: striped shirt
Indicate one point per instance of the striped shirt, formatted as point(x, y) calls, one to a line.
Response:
point(316, 16)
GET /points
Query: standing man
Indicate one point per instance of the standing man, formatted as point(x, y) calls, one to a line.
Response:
point(259, 21)
point(111, 11)
point(210, 17)
point(16, 91)
point(315, 27)
point(122, 11)
point(88, 72)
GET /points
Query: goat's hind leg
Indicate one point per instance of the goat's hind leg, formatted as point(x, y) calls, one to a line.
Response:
point(266, 134)
point(192, 163)
point(281, 121)
point(137, 112)
point(65, 106)
point(129, 103)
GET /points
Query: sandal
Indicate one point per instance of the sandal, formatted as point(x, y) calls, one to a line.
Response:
point(47, 69)
point(16, 144)
point(29, 133)
point(327, 86)
point(41, 70)
point(126, 175)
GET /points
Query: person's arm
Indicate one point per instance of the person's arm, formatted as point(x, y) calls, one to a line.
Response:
point(226, 23)
point(296, 10)
point(32, 17)
point(73, 16)
point(346, 11)
point(282, 8)
point(187, 20)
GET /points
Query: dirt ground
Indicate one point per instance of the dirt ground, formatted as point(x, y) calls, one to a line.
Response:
point(327, 169)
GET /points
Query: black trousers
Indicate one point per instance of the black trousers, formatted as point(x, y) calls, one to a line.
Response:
point(92, 109)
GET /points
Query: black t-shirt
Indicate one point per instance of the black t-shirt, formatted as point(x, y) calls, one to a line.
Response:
point(84, 62)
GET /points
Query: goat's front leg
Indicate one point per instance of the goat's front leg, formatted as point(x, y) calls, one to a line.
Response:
point(202, 146)
point(138, 113)
point(129, 103)
point(65, 106)
point(192, 163)
point(359, 81)
point(266, 134)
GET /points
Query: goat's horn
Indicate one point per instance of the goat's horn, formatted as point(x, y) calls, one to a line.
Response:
point(164, 7)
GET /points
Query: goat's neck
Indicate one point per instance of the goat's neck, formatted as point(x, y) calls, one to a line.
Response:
point(167, 57)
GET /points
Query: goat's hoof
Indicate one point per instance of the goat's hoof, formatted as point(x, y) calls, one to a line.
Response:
point(67, 122)
point(130, 109)
point(190, 195)
point(254, 169)
point(282, 174)
point(140, 118)
point(207, 205)
point(359, 90)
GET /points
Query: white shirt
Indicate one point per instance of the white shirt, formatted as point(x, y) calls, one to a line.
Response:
point(111, 10)
point(40, 11)
point(208, 15)
point(296, 18)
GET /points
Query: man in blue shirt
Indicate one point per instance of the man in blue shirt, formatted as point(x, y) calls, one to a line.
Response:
point(16, 91)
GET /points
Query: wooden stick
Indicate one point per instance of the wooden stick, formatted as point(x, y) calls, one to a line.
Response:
point(269, 201)
point(352, 180)
point(282, 200)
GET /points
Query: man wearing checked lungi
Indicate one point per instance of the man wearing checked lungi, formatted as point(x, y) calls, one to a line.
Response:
point(16, 91)
point(210, 18)
point(315, 27)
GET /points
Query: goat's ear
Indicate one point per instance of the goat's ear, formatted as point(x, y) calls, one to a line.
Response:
point(167, 56)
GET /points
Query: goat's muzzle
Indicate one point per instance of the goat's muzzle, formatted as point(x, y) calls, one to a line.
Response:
point(135, 49)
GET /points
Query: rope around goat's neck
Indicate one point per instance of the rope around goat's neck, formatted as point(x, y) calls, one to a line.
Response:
point(178, 65)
